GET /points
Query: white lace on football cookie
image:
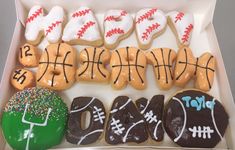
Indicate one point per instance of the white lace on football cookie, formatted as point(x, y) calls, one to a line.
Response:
point(50, 24)
point(201, 132)
point(82, 25)
point(149, 21)
point(183, 23)
point(116, 23)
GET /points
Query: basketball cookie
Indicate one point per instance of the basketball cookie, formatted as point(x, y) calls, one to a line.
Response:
point(38, 25)
point(22, 79)
point(150, 23)
point(182, 25)
point(125, 123)
point(118, 25)
point(93, 61)
point(153, 111)
point(57, 67)
point(128, 65)
point(187, 66)
point(29, 55)
point(34, 119)
point(193, 118)
point(75, 133)
point(162, 60)
point(83, 28)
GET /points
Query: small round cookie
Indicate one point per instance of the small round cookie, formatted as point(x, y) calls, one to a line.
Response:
point(29, 55)
point(150, 23)
point(193, 118)
point(34, 119)
point(57, 67)
point(76, 134)
point(22, 79)
point(118, 25)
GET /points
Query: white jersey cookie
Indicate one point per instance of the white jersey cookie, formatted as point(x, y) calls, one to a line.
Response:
point(118, 25)
point(150, 23)
point(83, 28)
point(182, 25)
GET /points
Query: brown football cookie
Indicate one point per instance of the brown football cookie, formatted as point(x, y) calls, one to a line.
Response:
point(29, 55)
point(128, 65)
point(93, 61)
point(162, 60)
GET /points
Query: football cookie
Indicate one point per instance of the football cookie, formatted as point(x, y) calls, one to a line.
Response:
point(153, 111)
point(75, 133)
point(193, 118)
point(128, 65)
point(125, 123)
point(118, 25)
point(162, 60)
point(150, 23)
point(38, 25)
point(29, 55)
point(57, 67)
point(34, 119)
point(93, 62)
point(182, 25)
point(82, 28)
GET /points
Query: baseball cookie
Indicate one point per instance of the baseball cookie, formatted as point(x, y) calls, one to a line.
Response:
point(75, 133)
point(125, 123)
point(29, 55)
point(162, 60)
point(118, 25)
point(38, 25)
point(128, 65)
point(57, 67)
point(182, 25)
point(193, 118)
point(93, 61)
point(83, 28)
point(150, 23)
point(34, 119)
point(22, 79)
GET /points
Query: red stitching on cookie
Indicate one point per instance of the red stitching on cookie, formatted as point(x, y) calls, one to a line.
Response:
point(114, 31)
point(34, 15)
point(186, 33)
point(149, 30)
point(52, 26)
point(84, 28)
point(81, 13)
point(147, 15)
point(113, 18)
point(179, 16)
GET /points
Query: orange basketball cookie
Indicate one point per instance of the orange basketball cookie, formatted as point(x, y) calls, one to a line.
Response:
point(57, 67)
point(128, 65)
point(29, 55)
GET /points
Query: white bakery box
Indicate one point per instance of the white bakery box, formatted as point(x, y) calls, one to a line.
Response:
point(203, 39)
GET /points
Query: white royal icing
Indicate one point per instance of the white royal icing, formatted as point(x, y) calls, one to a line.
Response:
point(98, 115)
point(132, 126)
point(117, 127)
point(183, 23)
point(82, 25)
point(201, 132)
point(149, 21)
point(80, 109)
point(90, 133)
point(213, 120)
point(116, 23)
point(120, 108)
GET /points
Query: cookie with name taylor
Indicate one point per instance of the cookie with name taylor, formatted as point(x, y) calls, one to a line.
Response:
point(193, 118)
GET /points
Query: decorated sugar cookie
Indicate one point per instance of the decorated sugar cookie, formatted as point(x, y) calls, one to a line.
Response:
point(34, 119)
point(150, 23)
point(193, 118)
point(38, 25)
point(118, 25)
point(75, 133)
point(83, 28)
point(182, 25)
point(29, 55)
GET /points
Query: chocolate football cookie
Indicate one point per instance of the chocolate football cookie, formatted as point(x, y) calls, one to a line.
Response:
point(125, 123)
point(75, 133)
point(34, 118)
point(152, 111)
point(193, 118)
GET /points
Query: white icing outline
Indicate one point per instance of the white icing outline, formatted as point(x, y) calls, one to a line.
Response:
point(100, 114)
point(132, 126)
point(155, 130)
point(117, 127)
point(198, 131)
point(92, 132)
point(115, 110)
point(185, 119)
point(213, 120)
point(77, 110)
point(145, 107)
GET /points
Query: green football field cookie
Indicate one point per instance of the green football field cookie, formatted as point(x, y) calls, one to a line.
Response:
point(34, 119)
